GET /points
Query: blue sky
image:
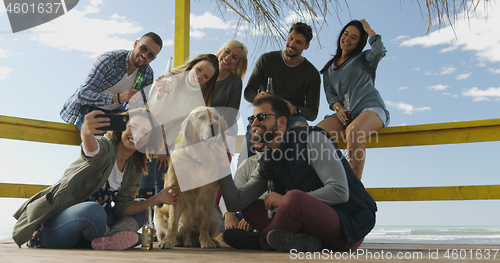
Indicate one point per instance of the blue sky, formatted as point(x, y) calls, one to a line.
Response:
point(445, 76)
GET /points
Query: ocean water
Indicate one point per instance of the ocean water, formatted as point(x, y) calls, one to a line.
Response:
point(435, 234)
point(402, 234)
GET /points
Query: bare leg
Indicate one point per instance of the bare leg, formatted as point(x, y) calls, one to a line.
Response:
point(333, 126)
point(363, 126)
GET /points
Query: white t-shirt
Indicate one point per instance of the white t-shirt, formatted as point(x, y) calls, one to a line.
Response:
point(123, 85)
point(116, 177)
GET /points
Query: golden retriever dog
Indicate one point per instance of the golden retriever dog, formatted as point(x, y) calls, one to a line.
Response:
point(193, 221)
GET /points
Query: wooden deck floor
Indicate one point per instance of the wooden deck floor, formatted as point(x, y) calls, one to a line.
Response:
point(371, 252)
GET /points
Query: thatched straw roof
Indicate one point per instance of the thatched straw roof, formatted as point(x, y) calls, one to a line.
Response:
point(267, 17)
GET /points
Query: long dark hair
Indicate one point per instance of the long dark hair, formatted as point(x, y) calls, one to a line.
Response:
point(208, 89)
point(361, 44)
point(139, 157)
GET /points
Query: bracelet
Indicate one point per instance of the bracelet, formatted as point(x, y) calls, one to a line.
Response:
point(336, 107)
point(118, 97)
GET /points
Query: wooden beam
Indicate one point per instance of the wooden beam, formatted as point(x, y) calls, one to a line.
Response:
point(20, 190)
point(434, 134)
point(38, 131)
point(181, 39)
point(414, 135)
point(441, 193)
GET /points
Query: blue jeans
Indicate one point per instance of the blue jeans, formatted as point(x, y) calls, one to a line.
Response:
point(79, 224)
point(152, 180)
point(247, 149)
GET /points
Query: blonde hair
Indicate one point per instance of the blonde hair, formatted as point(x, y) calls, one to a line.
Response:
point(241, 68)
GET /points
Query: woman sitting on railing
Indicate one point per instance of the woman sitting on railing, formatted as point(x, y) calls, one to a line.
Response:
point(349, 80)
point(76, 211)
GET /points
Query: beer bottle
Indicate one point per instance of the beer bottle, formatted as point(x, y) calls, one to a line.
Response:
point(148, 230)
point(270, 89)
point(138, 82)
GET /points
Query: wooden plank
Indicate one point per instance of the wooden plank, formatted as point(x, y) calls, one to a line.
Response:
point(434, 134)
point(441, 193)
point(181, 38)
point(20, 190)
point(38, 131)
point(415, 135)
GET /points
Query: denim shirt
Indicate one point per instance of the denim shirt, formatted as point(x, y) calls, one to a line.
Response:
point(353, 84)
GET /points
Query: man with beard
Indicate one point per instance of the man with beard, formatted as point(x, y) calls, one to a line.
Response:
point(314, 200)
point(108, 85)
point(294, 79)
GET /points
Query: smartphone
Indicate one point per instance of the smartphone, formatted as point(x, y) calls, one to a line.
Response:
point(116, 122)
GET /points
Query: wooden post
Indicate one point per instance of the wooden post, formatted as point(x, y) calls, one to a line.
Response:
point(181, 41)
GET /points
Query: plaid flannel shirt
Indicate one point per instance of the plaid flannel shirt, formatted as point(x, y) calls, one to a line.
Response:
point(108, 69)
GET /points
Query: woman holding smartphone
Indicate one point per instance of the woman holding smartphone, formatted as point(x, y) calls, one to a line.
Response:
point(77, 210)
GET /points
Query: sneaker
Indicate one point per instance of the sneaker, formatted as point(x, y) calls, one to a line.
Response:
point(285, 240)
point(118, 241)
point(239, 238)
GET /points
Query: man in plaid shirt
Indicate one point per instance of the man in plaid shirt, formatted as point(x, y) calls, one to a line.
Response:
point(109, 82)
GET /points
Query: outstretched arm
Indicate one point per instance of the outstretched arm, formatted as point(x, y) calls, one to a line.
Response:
point(168, 195)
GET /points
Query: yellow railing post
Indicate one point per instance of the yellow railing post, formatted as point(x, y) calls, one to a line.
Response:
point(181, 39)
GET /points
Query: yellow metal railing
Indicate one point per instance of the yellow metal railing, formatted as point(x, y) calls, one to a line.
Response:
point(414, 135)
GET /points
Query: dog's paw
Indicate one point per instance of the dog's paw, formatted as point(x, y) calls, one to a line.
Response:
point(166, 244)
point(210, 244)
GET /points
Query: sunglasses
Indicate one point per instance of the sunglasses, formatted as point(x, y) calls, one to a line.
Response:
point(260, 117)
point(145, 49)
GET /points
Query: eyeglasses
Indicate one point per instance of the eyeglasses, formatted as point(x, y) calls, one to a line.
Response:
point(260, 117)
point(145, 49)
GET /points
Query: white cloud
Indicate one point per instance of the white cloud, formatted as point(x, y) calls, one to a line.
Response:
point(300, 16)
point(448, 49)
point(4, 71)
point(76, 31)
point(416, 69)
point(463, 76)
point(449, 94)
point(116, 16)
point(403, 88)
point(399, 38)
point(478, 34)
point(438, 87)
point(428, 73)
point(168, 42)
point(406, 108)
point(3, 53)
point(480, 95)
point(197, 34)
point(447, 70)
point(494, 71)
point(210, 21)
